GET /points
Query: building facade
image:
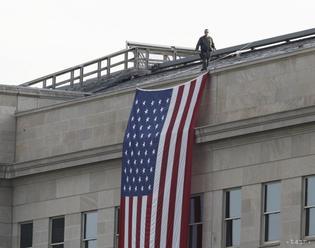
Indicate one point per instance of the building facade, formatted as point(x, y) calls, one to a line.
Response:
point(253, 181)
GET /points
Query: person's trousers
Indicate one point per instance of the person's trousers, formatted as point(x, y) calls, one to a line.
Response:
point(205, 56)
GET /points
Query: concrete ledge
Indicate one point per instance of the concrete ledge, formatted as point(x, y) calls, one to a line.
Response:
point(42, 93)
point(64, 161)
point(3, 171)
point(257, 124)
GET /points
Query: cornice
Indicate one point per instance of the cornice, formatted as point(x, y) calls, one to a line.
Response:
point(204, 134)
point(63, 161)
point(264, 123)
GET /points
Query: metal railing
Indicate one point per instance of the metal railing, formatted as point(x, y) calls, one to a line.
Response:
point(135, 56)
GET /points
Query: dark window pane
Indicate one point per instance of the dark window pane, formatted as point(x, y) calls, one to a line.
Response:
point(90, 244)
point(272, 227)
point(90, 229)
point(310, 222)
point(26, 235)
point(228, 233)
point(117, 210)
point(195, 210)
point(272, 197)
point(233, 203)
point(233, 232)
point(195, 236)
point(58, 246)
point(57, 230)
point(310, 191)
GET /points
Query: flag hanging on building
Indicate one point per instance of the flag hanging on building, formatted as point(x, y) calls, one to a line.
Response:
point(156, 167)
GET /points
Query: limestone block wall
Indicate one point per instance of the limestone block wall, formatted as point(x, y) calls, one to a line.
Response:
point(68, 193)
point(243, 92)
point(14, 99)
point(259, 89)
point(75, 127)
point(7, 128)
point(247, 162)
point(5, 214)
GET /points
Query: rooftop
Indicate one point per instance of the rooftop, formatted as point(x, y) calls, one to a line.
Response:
point(140, 63)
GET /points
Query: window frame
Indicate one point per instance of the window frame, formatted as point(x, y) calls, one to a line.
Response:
point(226, 219)
point(305, 208)
point(52, 245)
point(268, 213)
point(20, 232)
point(83, 239)
point(201, 195)
point(116, 226)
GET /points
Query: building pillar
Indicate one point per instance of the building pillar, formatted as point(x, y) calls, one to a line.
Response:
point(105, 228)
point(291, 209)
point(73, 230)
point(251, 216)
point(41, 233)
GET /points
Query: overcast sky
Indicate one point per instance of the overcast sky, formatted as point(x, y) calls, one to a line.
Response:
point(39, 37)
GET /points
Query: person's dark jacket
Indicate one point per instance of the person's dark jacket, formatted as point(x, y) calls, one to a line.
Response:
point(206, 45)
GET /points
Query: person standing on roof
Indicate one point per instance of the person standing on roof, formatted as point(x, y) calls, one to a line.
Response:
point(206, 45)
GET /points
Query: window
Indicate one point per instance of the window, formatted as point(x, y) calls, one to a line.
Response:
point(57, 230)
point(26, 235)
point(89, 229)
point(309, 206)
point(116, 231)
point(195, 221)
point(232, 217)
point(271, 211)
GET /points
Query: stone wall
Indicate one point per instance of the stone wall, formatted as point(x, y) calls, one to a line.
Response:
point(259, 89)
point(233, 94)
point(68, 192)
point(7, 128)
point(281, 153)
point(5, 213)
point(285, 155)
point(14, 99)
point(245, 162)
point(73, 127)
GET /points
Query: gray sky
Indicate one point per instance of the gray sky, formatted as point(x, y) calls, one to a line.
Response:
point(39, 37)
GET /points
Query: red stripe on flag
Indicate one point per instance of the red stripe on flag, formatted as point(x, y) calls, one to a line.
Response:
point(148, 222)
point(170, 224)
point(139, 206)
point(163, 168)
point(187, 181)
point(121, 223)
point(130, 222)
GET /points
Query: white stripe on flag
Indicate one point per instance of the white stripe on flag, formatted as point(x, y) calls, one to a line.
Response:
point(170, 162)
point(182, 167)
point(143, 220)
point(158, 166)
point(126, 221)
point(134, 221)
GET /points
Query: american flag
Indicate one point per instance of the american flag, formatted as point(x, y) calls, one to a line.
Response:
point(156, 169)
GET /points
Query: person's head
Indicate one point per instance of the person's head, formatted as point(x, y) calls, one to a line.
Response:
point(206, 32)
